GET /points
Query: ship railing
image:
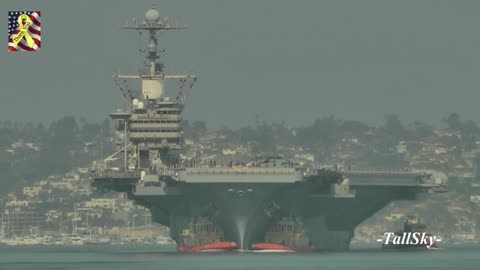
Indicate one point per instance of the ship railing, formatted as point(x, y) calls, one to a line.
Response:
point(349, 169)
point(114, 174)
point(248, 171)
point(385, 173)
point(157, 116)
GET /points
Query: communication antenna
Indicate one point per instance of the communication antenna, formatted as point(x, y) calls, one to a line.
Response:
point(153, 74)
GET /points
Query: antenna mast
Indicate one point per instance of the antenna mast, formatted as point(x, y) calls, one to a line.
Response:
point(153, 75)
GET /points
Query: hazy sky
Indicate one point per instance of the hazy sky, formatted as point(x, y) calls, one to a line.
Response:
point(284, 60)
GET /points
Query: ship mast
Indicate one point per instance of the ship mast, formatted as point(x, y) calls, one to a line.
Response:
point(153, 76)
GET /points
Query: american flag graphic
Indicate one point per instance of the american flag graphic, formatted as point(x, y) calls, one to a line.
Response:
point(24, 31)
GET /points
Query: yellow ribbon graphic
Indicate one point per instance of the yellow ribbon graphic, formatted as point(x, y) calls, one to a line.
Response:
point(24, 30)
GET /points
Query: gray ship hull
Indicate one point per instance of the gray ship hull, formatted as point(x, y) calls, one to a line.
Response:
point(245, 211)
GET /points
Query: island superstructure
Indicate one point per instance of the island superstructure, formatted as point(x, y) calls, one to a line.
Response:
point(271, 203)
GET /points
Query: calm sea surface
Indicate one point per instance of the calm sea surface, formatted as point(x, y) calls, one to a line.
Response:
point(144, 258)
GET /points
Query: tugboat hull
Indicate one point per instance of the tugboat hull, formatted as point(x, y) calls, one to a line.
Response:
point(216, 246)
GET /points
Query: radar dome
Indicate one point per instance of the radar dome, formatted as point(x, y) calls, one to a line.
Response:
point(135, 102)
point(140, 105)
point(152, 15)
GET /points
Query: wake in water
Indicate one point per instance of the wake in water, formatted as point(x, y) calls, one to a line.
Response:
point(241, 224)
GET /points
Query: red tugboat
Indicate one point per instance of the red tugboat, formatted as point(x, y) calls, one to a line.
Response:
point(413, 236)
point(287, 235)
point(215, 246)
point(204, 236)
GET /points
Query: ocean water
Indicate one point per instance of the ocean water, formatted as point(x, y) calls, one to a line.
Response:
point(145, 258)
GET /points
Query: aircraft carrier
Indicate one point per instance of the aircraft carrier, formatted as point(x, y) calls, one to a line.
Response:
point(271, 203)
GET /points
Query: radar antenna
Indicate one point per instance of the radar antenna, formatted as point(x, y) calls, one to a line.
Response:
point(153, 75)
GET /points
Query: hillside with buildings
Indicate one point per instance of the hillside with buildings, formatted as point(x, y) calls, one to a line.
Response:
point(45, 173)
